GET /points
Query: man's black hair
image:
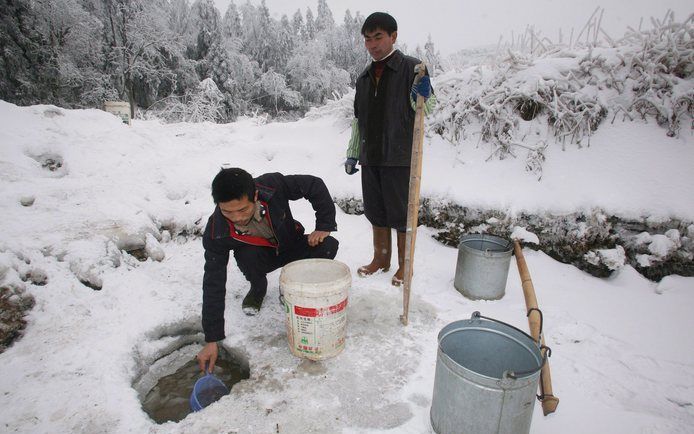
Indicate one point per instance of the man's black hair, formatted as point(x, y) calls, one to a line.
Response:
point(379, 20)
point(232, 184)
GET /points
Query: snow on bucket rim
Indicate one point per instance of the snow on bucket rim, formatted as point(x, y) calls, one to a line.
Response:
point(314, 274)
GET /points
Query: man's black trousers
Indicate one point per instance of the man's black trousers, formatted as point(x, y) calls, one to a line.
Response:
point(255, 261)
point(385, 190)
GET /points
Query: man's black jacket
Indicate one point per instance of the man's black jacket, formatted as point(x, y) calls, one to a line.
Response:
point(384, 114)
point(275, 191)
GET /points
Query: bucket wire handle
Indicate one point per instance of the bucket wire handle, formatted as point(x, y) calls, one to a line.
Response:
point(514, 374)
point(477, 315)
point(547, 353)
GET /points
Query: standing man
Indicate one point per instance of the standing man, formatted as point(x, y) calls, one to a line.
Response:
point(252, 218)
point(384, 111)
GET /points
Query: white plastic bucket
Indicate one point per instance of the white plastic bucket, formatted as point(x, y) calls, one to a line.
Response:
point(314, 295)
point(120, 109)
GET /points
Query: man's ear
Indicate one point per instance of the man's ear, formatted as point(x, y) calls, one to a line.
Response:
point(255, 197)
point(394, 35)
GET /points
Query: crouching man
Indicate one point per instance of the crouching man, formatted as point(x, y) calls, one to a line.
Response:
point(252, 218)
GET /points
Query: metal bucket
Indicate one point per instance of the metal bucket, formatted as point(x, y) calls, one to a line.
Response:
point(482, 268)
point(487, 374)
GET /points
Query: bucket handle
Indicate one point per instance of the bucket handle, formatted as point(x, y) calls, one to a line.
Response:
point(284, 303)
point(477, 315)
point(515, 374)
point(511, 374)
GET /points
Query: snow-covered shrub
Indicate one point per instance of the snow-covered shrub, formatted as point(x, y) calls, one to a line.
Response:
point(273, 87)
point(15, 301)
point(204, 104)
point(661, 246)
point(660, 72)
point(570, 90)
point(613, 259)
point(153, 248)
point(339, 107)
point(89, 259)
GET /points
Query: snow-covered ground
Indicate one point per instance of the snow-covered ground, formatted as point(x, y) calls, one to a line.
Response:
point(623, 351)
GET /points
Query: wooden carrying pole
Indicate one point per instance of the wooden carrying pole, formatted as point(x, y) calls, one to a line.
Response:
point(413, 198)
point(549, 401)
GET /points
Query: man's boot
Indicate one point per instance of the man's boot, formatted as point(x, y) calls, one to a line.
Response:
point(382, 249)
point(399, 276)
point(254, 299)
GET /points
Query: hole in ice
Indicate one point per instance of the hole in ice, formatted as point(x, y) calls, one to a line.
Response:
point(165, 388)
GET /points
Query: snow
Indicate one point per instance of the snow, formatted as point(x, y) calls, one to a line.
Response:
point(613, 259)
point(525, 235)
point(623, 353)
point(661, 245)
point(621, 159)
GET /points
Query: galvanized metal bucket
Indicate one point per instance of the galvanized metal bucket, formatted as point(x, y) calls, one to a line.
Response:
point(487, 374)
point(482, 268)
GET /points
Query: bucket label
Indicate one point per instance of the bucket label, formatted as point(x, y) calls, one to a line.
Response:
point(324, 311)
point(317, 330)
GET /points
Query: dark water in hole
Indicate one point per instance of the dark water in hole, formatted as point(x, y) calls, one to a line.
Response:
point(169, 398)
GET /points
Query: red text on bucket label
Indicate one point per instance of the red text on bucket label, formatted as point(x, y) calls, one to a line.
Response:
point(324, 311)
point(317, 330)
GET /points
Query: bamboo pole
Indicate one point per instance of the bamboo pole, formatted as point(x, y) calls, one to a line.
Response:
point(413, 198)
point(549, 401)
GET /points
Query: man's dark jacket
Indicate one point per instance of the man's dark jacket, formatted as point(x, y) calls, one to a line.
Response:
point(384, 114)
point(274, 191)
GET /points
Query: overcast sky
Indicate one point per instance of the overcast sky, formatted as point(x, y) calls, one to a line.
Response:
point(456, 24)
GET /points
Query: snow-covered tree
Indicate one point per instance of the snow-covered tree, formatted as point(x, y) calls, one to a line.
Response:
point(259, 36)
point(310, 25)
point(432, 58)
point(179, 19)
point(285, 43)
point(324, 17)
point(154, 53)
point(298, 27)
point(274, 87)
point(345, 46)
point(231, 23)
point(139, 44)
point(28, 63)
point(206, 22)
point(314, 76)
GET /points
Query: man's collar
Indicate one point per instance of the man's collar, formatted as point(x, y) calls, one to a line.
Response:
point(385, 58)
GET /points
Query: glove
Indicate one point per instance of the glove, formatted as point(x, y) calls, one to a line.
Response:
point(351, 166)
point(423, 87)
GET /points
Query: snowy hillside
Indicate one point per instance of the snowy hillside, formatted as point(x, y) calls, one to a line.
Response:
point(101, 259)
point(80, 190)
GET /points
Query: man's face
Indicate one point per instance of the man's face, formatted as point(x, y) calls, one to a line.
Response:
point(379, 43)
point(239, 211)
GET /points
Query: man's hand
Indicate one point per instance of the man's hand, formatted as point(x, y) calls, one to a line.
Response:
point(423, 87)
point(317, 237)
point(208, 356)
point(351, 166)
